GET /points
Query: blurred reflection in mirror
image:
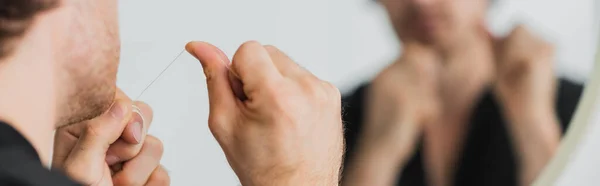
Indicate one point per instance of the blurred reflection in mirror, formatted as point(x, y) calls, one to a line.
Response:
point(458, 106)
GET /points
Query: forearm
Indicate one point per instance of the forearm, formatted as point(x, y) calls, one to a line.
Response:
point(536, 136)
point(294, 179)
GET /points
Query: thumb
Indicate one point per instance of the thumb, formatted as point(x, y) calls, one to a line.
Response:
point(220, 88)
point(89, 154)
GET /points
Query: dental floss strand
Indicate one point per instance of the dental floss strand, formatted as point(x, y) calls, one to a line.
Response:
point(239, 93)
point(159, 75)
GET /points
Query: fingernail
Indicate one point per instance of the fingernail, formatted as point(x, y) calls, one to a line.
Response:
point(117, 110)
point(137, 123)
point(111, 159)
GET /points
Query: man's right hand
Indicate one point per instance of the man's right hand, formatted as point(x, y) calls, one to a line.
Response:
point(288, 128)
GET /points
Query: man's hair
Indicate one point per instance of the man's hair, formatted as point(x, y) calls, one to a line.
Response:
point(15, 18)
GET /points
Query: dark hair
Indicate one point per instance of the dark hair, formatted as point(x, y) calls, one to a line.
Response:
point(15, 18)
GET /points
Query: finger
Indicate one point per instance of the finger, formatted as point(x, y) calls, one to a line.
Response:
point(237, 86)
point(286, 66)
point(133, 131)
point(160, 177)
point(221, 97)
point(138, 170)
point(138, 126)
point(66, 137)
point(255, 68)
point(123, 150)
point(64, 143)
point(97, 136)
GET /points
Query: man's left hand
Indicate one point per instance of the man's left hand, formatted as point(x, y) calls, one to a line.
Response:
point(525, 81)
point(526, 87)
point(112, 149)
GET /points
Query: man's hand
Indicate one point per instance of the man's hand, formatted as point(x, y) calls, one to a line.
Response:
point(112, 149)
point(288, 128)
point(526, 88)
point(525, 72)
point(401, 100)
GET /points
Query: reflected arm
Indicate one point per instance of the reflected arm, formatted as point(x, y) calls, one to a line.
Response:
point(536, 135)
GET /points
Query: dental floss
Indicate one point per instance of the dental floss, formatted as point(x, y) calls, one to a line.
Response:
point(238, 91)
point(159, 75)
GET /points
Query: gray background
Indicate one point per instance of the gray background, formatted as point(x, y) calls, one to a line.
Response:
point(342, 41)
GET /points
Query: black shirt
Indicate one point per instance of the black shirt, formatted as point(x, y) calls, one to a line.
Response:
point(487, 157)
point(20, 164)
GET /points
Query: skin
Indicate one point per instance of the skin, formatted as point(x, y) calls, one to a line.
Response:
point(430, 91)
point(287, 130)
point(105, 151)
point(71, 54)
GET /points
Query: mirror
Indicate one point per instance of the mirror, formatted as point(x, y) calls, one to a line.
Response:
point(426, 113)
point(444, 111)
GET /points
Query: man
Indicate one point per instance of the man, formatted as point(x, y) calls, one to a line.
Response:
point(58, 64)
point(458, 107)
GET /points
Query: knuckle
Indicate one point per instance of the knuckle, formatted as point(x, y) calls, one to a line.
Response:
point(317, 90)
point(216, 124)
point(273, 88)
point(308, 82)
point(275, 53)
point(334, 91)
point(155, 144)
point(161, 178)
point(272, 49)
point(248, 47)
point(91, 130)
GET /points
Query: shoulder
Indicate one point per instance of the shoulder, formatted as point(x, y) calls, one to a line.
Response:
point(20, 163)
point(18, 168)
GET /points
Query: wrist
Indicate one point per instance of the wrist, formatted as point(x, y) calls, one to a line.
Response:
point(296, 180)
point(528, 112)
point(294, 177)
point(534, 129)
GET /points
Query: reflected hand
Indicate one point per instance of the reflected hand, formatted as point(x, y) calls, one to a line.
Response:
point(526, 87)
point(288, 129)
point(401, 101)
point(112, 149)
point(525, 81)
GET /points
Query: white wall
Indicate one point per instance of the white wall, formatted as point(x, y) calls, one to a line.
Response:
point(342, 41)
